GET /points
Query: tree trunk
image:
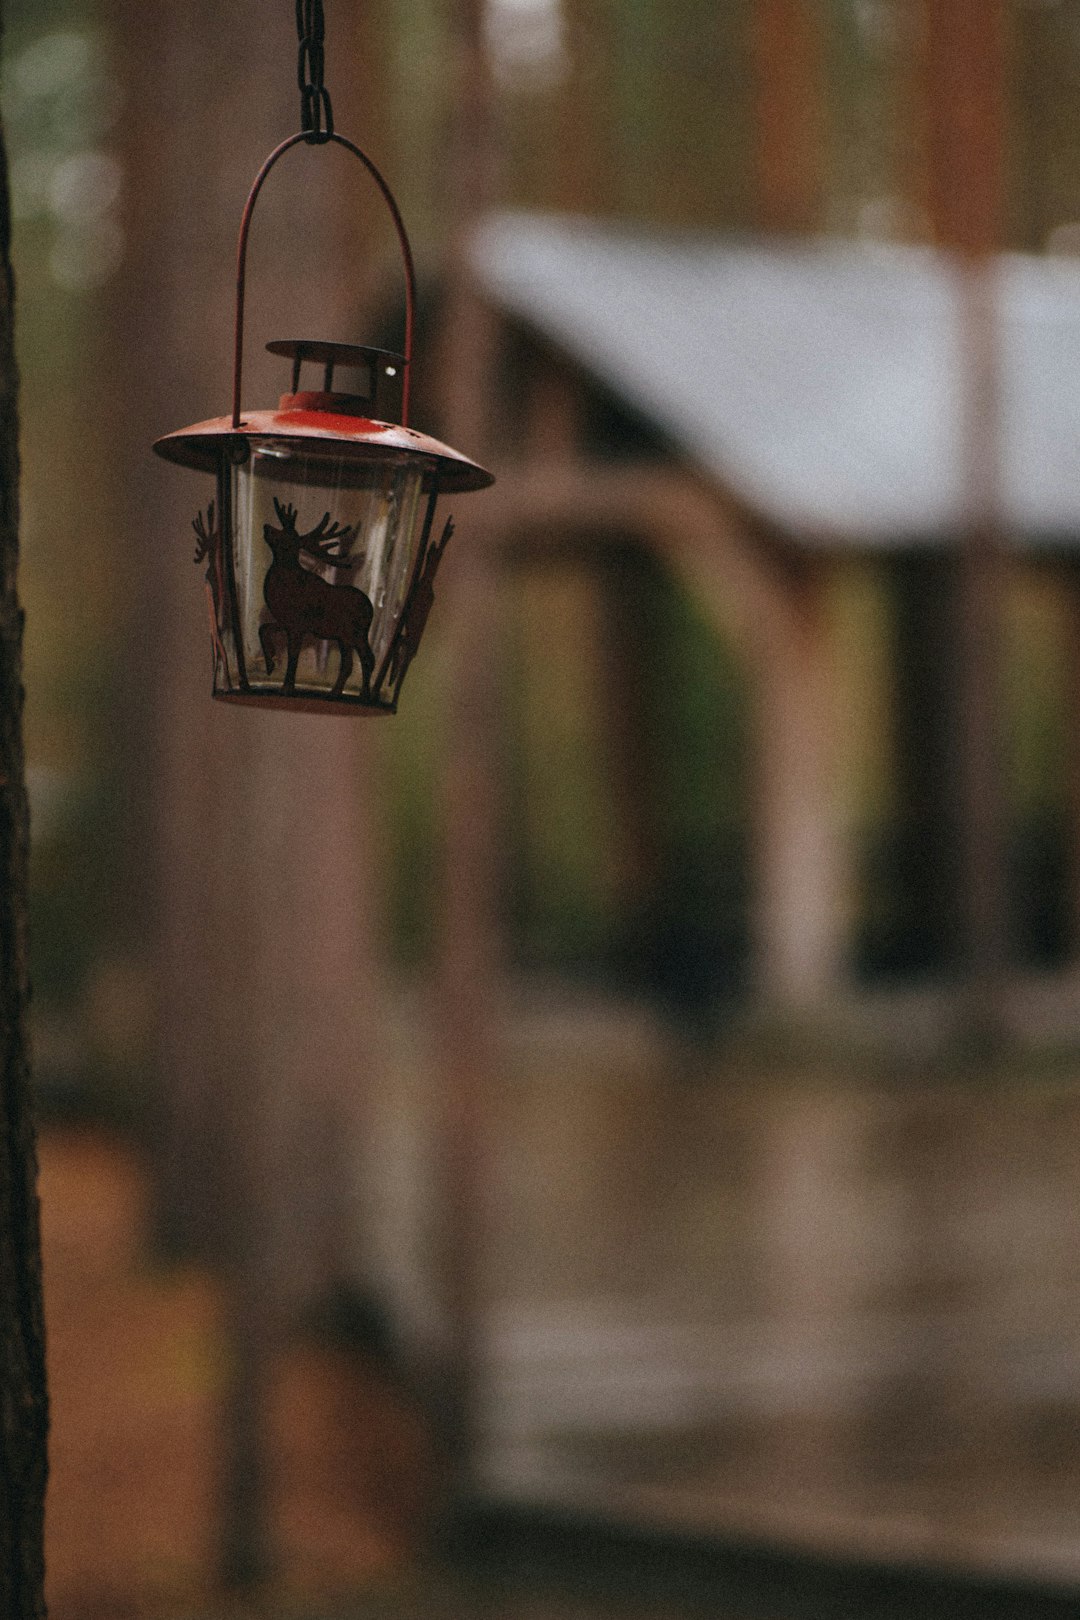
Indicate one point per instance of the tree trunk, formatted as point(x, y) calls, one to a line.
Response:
point(965, 48)
point(469, 941)
point(786, 49)
point(23, 1400)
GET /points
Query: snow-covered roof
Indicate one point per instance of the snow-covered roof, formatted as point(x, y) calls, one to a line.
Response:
point(820, 382)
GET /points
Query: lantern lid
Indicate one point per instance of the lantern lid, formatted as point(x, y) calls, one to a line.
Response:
point(362, 423)
point(378, 379)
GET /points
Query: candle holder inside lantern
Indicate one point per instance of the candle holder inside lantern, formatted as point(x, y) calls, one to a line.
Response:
point(320, 562)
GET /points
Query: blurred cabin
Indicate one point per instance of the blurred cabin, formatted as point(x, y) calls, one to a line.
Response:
point(733, 487)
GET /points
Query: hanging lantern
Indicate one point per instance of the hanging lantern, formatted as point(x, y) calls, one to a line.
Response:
point(318, 545)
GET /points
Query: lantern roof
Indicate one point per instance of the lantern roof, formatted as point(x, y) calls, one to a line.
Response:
point(352, 421)
point(200, 445)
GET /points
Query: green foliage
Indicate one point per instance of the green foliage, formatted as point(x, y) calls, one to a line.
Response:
point(628, 723)
point(562, 871)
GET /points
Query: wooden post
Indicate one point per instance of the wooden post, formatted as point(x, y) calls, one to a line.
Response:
point(23, 1395)
point(1070, 587)
point(965, 59)
point(925, 743)
point(798, 921)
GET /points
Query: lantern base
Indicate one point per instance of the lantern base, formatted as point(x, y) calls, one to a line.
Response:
point(306, 703)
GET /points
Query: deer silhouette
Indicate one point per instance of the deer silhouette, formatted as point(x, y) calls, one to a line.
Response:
point(208, 545)
point(307, 607)
point(415, 615)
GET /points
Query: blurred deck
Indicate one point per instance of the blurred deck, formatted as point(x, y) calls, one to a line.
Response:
point(137, 1358)
point(829, 1303)
point(609, 1411)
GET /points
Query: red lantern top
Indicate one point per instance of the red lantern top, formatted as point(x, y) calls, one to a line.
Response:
point(364, 422)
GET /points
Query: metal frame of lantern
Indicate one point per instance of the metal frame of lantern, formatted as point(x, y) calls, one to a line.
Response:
point(290, 626)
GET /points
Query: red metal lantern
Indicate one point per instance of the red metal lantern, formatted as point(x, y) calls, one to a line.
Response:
point(318, 544)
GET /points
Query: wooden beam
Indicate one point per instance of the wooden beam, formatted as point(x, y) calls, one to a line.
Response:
point(773, 611)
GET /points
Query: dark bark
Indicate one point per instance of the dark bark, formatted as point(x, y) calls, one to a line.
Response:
point(966, 49)
point(468, 924)
point(23, 1399)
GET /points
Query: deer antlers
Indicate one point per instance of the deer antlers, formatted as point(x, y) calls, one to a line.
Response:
point(325, 542)
point(324, 536)
point(205, 533)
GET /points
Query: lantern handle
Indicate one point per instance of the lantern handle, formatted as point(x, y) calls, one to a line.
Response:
point(241, 259)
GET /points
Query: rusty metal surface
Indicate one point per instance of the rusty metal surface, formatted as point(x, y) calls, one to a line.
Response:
point(310, 703)
point(200, 445)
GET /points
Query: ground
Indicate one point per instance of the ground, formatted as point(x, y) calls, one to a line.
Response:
point(136, 1357)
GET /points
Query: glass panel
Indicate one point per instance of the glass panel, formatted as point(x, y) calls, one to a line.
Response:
point(323, 554)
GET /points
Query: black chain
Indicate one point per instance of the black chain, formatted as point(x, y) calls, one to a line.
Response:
point(316, 113)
